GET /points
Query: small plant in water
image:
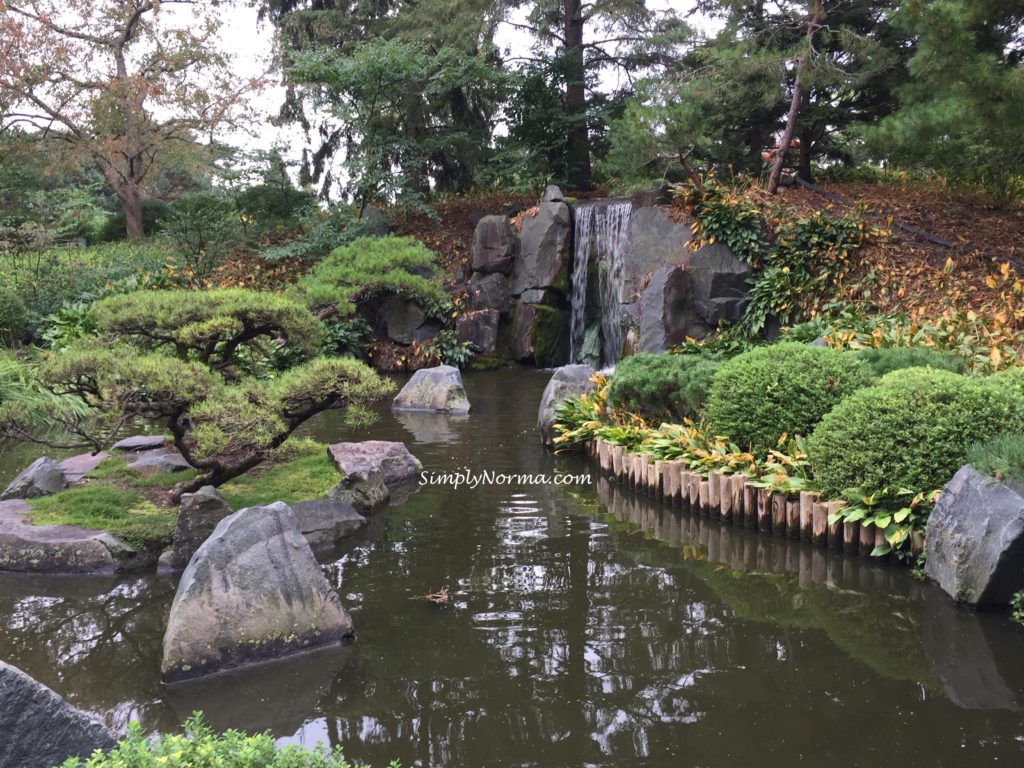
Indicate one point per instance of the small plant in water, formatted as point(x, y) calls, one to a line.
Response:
point(1017, 606)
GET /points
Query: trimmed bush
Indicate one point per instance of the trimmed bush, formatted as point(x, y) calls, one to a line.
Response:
point(781, 389)
point(13, 316)
point(662, 386)
point(911, 430)
point(888, 359)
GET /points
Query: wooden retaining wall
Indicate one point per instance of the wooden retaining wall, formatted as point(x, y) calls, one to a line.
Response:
point(731, 500)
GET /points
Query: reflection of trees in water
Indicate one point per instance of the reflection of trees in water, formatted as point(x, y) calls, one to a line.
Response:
point(95, 641)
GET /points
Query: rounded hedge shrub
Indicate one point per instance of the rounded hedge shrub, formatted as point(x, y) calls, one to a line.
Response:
point(780, 389)
point(662, 386)
point(910, 430)
point(13, 316)
point(888, 359)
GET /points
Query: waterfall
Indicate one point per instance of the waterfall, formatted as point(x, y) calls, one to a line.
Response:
point(601, 231)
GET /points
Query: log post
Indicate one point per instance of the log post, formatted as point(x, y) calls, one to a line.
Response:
point(693, 493)
point(879, 538)
point(749, 505)
point(737, 485)
point(778, 503)
point(806, 514)
point(867, 540)
point(714, 498)
point(725, 498)
point(793, 518)
point(616, 455)
point(703, 493)
point(851, 537)
point(819, 523)
point(835, 530)
point(764, 511)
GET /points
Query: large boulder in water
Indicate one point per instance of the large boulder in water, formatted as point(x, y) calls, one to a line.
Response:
point(437, 389)
point(394, 461)
point(567, 381)
point(40, 478)
point(40, 729)
point(975, 539)
point(252, 592)
point(544, 256)
point(199, 514)
point(494, 246)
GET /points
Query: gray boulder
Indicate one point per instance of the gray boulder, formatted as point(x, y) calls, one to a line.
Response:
point(538, 334)
point(159, 460)
point(325, 523)
point(77, 467)
point(544, 256)
point(405, 321)
point(489, 292)
point(40, 478)
point(40, 729)
point(567, 381)
point(392, 459)
point(654, 241)
point(975, 539)
point(365, 491)
point(479, 328)
point(138, 443)
point(665, 310)
point(374, 222)
point(553, 194)
point(198, 516)
point(64, 549)
point(433, 389)
point(252, 592)
point(494, 246)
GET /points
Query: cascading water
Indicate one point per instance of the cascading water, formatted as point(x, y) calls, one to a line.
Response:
point(600, 231)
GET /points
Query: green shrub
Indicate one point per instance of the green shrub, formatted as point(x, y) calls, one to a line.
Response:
point(375, 265)
point(13, 316)
point(910, 430)
point(200, 227)
point(1002, 457)
point(116, 227)
point(662, 386)
point(781, 389)
point(276, 202)
point(200, 747)
point(885, 360)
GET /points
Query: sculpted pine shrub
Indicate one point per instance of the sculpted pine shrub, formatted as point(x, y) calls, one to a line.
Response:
point(885, 360)
point(173, 357)
point(780, 389)
point(911, 430)
point(663, 386)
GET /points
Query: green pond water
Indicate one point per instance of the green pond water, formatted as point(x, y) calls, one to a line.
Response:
point(587, 627)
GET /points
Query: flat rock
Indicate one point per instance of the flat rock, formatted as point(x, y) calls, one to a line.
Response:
point(394, 461)
point(77, 467)
point(975, 538)
point(567, 381)
point(198, 516)
point(40, 478)
point(138, 443)
point(64, 549)
point(40, 729)
point(252, 592)
point(160, 460)
point(325, 523)
point(436, 389)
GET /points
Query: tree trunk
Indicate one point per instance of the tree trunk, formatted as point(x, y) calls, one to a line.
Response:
point(580, 175)
point(813, 24)
point(806, 143)
point(131, 201)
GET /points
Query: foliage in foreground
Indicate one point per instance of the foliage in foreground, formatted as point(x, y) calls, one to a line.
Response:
point(1002, 457)
point(200, 747)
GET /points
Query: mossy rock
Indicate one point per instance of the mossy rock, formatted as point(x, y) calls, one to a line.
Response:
point(549, 336)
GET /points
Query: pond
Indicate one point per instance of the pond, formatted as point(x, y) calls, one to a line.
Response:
point(586, 627)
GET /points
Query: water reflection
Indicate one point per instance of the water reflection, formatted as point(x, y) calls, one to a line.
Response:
point(587, 626)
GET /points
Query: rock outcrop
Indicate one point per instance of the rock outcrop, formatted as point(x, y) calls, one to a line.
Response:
point(77, 467)
point(567, 381)
point(975, 539)
point(40, 729)
point(494, 246)
point(40, 478)
point(544, 256)
point(325, 523)
point(64, 549)
point(436, 389)
point(489, 292)
point(252, 592)
point(198, 516)
point(479, 328)
point(404, 321)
